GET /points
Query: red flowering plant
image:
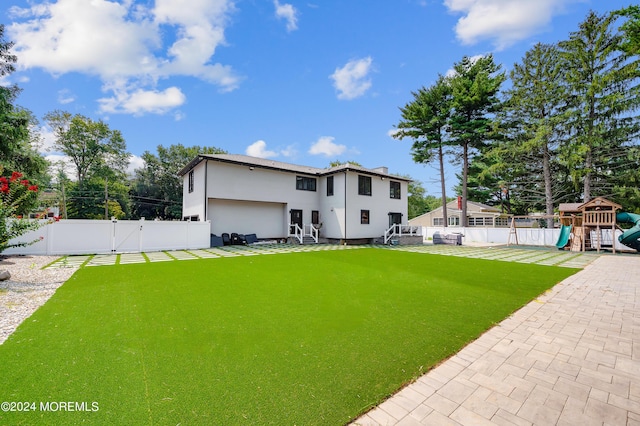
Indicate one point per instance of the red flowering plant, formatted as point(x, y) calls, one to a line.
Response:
point(16, 193)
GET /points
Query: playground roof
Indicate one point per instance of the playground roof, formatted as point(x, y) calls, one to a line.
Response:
point(569, 207)
point(598, 203)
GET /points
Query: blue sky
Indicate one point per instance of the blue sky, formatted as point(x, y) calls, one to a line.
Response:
point(301, 82)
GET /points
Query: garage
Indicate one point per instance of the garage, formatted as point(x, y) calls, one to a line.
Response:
point(266, 220)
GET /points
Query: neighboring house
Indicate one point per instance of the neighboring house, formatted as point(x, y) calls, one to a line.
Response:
point(478, 214)
point(249, 195)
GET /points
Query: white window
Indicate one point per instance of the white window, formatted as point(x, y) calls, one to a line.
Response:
point(438, 221)
point(502, 221)
point(454, 221)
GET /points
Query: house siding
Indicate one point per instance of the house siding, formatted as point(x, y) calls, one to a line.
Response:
point(332, 208)
point(193, 202)
point(265, 219)
point(241, 183)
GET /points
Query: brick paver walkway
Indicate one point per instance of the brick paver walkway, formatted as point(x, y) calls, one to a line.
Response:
point(571, 357)
point(508, 254)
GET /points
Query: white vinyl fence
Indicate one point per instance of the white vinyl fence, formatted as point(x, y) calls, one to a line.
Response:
point(526, 236)
point(78, 236)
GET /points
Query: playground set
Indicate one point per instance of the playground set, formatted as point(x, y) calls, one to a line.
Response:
point(584, 226)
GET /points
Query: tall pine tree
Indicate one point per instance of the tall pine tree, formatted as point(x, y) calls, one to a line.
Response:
point(475, 87)
point(533, 113)
point(602, 81)
point(424, 120)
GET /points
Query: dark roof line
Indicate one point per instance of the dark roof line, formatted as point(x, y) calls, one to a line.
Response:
point(246, 160)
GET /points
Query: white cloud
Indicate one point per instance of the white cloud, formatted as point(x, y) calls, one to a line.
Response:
point(392, 132)
point(141, 101)
point(505, 22)
point(58, 161)
point(46, 139)
point(351, 80)
point(259, 149)
point(135, 163)
point(288, 13)
point(126, 45)
point(290, 151)
point(65, 97)
point(92, 37)
point(325, 146)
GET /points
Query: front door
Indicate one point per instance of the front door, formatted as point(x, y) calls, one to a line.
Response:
point(395, 219)
point(296, 217)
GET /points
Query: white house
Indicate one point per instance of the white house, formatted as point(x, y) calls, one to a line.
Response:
point(249, 195)
point(478, 214)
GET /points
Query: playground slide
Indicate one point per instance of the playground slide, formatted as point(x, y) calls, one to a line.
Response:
point(565, 232)
point(630, 237)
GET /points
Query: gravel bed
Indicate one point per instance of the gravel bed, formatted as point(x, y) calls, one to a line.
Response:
point(29, 287)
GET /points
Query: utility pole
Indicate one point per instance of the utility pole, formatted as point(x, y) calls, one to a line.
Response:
point(64, 201)
point(106, 200)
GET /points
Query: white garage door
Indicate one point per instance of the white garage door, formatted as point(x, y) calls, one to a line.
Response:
point(266, 220)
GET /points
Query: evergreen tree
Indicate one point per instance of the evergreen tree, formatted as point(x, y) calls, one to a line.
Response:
point(532, 122)
point(604, 94)
point(424, 120)
point(630, 29)
point(475, 87)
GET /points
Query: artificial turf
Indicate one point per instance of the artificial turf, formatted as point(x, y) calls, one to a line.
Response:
point(300, 338)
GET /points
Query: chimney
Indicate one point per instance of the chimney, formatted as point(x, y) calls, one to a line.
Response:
point(459, 202)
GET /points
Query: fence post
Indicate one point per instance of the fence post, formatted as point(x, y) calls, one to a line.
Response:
point(50, 238)
point(140, 231)
point(114, 222)
point(188, 234)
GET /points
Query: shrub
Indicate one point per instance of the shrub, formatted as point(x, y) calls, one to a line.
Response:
point(15, 194)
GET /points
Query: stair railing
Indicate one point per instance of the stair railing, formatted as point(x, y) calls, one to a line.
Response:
point(312, 232)
point(296, 231)
point(390, 233)
point(400, 230)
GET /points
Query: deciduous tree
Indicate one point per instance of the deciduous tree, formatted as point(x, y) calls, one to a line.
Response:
point(92, 146)
point(157, 188)
point(16, 124)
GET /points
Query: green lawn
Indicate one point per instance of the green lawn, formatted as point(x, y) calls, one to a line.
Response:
point(300, 338)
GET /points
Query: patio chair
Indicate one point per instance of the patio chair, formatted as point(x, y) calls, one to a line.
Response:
point(216, 241)
point(226, 239)
point(235, 239)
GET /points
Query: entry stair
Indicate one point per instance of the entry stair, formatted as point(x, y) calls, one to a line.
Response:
point(305, 234)
point(397, 232)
